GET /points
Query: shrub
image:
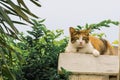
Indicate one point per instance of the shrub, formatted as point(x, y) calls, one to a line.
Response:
point(40, 50)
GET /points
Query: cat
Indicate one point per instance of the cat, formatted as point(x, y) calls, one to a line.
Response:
point(81, 41)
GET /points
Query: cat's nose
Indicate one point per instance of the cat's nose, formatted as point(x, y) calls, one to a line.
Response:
point(80, 43)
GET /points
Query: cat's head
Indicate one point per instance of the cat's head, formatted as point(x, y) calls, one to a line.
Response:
point(79, 38)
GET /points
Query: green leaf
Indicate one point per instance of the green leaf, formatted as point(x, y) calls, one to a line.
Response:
point(17, 22)
point(29, 13)
point(21, 2)
point(35, 2)
point(8, 9)
point(6, 18)
point(86, 26)
point(115, 42)
point(105, 23)
point(1, 78)
point(6, 71)
point(4, 44)
point(18, 10)
point(19, 57)
point(80, 27)
point(41, 21)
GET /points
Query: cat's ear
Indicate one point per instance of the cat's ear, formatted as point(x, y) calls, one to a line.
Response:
point(72, 30)
point(88, 31)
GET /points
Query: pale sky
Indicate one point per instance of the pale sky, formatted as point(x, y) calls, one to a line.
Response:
point(61, 14)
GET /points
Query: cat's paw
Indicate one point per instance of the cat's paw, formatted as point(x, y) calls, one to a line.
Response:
point(96, 53)
point(70, 50)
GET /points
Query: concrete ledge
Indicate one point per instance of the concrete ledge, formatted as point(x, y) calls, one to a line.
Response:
point(87, 64)
point(88, 77)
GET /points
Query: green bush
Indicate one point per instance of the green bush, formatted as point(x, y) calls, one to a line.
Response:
point(40, 50)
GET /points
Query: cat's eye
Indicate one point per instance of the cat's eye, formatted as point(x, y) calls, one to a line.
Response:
point(76, 38)
point(84, 38)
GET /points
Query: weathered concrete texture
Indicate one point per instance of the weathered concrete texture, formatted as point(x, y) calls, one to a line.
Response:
point(88, 64)
point(88, 77)
point(88, 67)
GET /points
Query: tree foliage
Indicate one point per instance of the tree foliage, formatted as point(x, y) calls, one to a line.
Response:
point(8, 8)
point(105, 23)
point(40, 50)
point(8, 29)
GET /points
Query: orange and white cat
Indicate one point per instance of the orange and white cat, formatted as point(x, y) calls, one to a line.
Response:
point(81, 41)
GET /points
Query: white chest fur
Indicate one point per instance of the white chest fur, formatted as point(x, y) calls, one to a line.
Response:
point(88, 48)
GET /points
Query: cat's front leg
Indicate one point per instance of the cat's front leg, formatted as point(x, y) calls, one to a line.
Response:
point(96, 53)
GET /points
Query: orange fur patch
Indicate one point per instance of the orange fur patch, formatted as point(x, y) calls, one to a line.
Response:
point(97, 43)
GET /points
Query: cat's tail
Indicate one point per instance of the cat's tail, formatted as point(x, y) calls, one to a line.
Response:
point(110, 49)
